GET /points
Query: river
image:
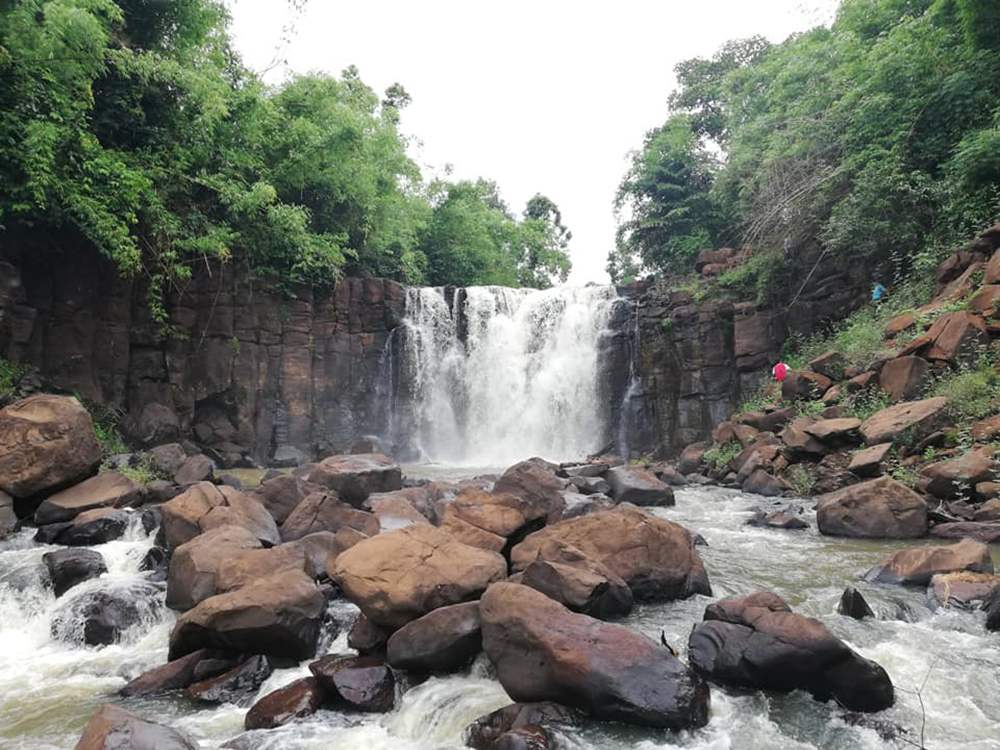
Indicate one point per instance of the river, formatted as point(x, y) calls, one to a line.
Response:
point(48, 688)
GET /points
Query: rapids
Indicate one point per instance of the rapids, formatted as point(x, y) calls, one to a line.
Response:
point(48, 688)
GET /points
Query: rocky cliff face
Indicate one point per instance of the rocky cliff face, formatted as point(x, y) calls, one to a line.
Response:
point(247, 372)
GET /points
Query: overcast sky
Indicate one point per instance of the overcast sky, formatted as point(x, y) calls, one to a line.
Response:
point(542, 96)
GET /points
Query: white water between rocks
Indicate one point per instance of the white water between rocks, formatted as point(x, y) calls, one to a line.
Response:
point(49, 688)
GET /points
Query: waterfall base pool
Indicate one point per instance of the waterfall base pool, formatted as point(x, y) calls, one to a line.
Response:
point(49, 688)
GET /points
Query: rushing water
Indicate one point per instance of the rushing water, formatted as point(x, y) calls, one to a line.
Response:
point(48, 688)
point(497, 374)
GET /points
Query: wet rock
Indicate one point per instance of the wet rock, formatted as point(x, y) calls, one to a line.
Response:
point(366, 637)
point(194, 566)
point(96, 526)
point(879, 508)
point(113, 728)
point(166, 459)
point(444, 640)
point(486, 730)
point(394, 510)
point(323, 511)
point(277, 616)
point(630, 484)
point(957, 476)
point(156, 562)
point(868, 462)
point(542, 651)
point(986, 532)
point(355, 477)
point(917, 565)
point(992, 606)
point(100, 618)
point(691, 458)
point(756, 641)
point(566, 575)
point(197, 468)
point(362, 682)
point(294, 701)
point(161, 491)
point(237, 686)
point(174, 675)
point(68, 567)
point(8, 518)
point(205, 506)
point(655, 557)
point(524, 738)
point(588, 486)
point(589, 470)
point(853, 604)
point(46, 442)
point(535, 483)
point(581, 505)
point(916, 418)
point(402, 575)
point(761, 482)
point(904, 378)
point(107, 490)
point(963, 590)
point(778, 519)
point(281, 494)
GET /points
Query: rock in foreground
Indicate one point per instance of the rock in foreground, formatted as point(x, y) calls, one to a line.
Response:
point(756, 641)
point(442, 641)
point(544, 652)
point(113, 728)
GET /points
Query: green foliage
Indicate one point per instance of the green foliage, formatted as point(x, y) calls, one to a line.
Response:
point(809, 408)
point(877, 138)
point(720, 456)
point(865, 403)
point(10, 375)
point(142, 471)
point(132, 125)
point(757, 276)
point(973, 392)
point(800, 479)
point(106, 419)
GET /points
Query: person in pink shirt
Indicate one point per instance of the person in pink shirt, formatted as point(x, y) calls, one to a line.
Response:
point(779, 371)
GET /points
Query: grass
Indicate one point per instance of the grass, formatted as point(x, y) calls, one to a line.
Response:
point(759, 400)
point(143, 472)
point(865, 403)
point(10, 375)
point(720, 456)
point(801, 480)
point(973, 391)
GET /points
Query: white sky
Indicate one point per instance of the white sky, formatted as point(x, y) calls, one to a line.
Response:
point(546, 96)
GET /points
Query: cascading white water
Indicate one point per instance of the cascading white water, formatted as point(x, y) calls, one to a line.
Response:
point(503, 374)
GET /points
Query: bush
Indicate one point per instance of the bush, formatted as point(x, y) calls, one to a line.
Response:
point(720, 456)
point(864, 404)
point(801, 480)
point(974, 393)
point(10, 374)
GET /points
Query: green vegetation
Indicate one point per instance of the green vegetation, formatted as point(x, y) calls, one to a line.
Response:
point(720, 456)
point(142, 471)
point(800, 479)
point(133, 126)
point(973, 391)
point(877, 139)
point(106, 419)
point(10, 375)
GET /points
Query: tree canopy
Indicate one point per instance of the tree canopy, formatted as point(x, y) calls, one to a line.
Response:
point(133, 125)
point(877, 138)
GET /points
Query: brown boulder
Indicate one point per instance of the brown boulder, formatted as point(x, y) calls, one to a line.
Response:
point(166, 459)
point(444, 640)
point(484, 732)
point(771, 421)
point(655, 557)
point(206, 506)
point(473, 536)
point(724, 432)
point(630, 484)
point(107, 490)
point(756, 641)
point(804, 385)
point(956, 336)
point(920, 418)
point(992, 274)
point(323, 511)
point(46, 442)
point(364, 683)
point(293, 701)
point(987, 532)
point(366, 637)
point(899, 324)
point(986, 429)
point(691, 458)
point(835, 431)
point(113, 728)
point(394, 510)
point(197, 468)
point(500, 514)
point(566, 575)
point(986, 301)
point(397, 577)
point(904, 378)
point(242, 568)
point(963, 590)
point(195, 565)
point(879, 509)
point(237, 685)
point(282, 494)
point(277, 616)
point(988, 511)
point(830, 364)
point(174, 675)
point(760, 482)
point(917, 565)
point(957, 476)
point(799, 443)
point(355, 477)
point(535, 482)
point(868, 462)
point(544, 652)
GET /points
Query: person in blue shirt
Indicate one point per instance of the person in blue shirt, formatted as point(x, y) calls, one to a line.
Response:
point(879, 293)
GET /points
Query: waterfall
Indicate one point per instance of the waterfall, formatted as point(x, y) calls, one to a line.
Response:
point(490, 375)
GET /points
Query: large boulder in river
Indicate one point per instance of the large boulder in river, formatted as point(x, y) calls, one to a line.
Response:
point(293, 701)
point(917, 565)
point(534, 481)
point(68, 567)
point(96, 526)
point(442, 641)
point(176, 674)
point(544, 652)
point(279, 616)
point(878, 509)
point(282, 494)
point(355, 477)
point(308, 554)
point(566, 575)
point(324, 511)
point(655, 557)
point(100, 617)
point(206, 506)
point(113, 728)
point(486, 731)
point(916, 418)
point(364, 683)
point(194, 566)
point(397, 577)
point(46, 442)
point(756, 641)
point(630, 484)
point(107, 490)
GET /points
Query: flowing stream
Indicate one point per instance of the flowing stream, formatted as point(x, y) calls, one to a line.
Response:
point(49, 687)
